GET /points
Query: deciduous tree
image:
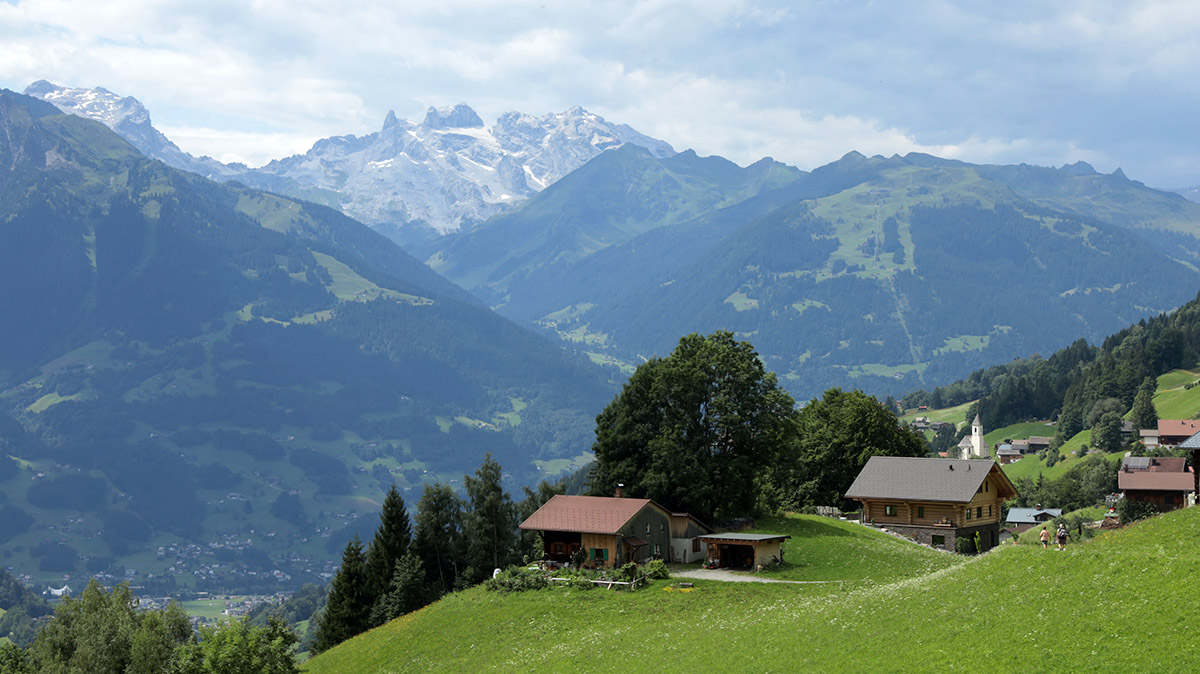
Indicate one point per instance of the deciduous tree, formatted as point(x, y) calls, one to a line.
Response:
point(699, 430)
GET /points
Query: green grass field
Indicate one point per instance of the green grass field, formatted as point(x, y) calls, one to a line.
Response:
point(1017, 608)
point(822, 548)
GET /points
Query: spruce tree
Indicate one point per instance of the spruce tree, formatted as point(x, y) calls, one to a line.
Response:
point(391, 542)
point(407, 591)
point(348, 611)
point(1144, 415)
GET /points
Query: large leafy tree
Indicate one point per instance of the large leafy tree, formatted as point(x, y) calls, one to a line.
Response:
point(837, 435)
point(699, 430)
point(439, 536)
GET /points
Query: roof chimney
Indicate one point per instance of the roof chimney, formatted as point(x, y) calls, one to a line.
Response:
point(620, 490)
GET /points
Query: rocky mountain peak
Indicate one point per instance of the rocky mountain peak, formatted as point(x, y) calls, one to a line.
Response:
point(459, 116)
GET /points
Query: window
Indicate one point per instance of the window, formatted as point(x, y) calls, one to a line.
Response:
point(968, 513)
point(989, 511)
point(939, 540)
point(657, 549)
point(920, 511)
point(889, 510)
point(979, 511)
point(695, 545)
point(985, 486)
point(647, 528)
point(599, 554)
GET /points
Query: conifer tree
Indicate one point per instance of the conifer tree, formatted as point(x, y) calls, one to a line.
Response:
point(391, 542)
point(348, 610)
point(407, 591)
point(1144, 415)
point(491, 523)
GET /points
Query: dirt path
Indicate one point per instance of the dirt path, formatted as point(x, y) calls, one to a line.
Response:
point(739, 577)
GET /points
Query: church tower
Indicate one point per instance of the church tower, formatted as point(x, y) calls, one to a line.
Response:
point(979, 446)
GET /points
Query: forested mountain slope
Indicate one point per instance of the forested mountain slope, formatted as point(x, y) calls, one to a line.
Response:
point(885, 274)
point(186, 362)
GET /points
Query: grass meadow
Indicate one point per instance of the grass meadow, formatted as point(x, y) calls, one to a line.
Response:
point(1117, 603)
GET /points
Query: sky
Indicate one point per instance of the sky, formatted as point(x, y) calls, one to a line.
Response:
point(1115, 84)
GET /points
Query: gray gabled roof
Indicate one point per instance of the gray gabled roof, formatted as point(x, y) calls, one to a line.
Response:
point(1191, 443)
point(904, 478)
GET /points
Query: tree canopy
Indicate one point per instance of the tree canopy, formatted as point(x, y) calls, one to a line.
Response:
point(698, 430)
point(837, 435)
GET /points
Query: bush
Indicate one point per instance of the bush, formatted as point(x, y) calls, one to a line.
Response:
point(657, 570)
point(1132, 511)
point(517, 579)
point(964, 546)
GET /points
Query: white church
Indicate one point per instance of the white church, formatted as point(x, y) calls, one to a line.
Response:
point(973, 446)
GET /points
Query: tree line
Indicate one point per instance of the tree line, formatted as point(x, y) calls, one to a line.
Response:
point(452, 543)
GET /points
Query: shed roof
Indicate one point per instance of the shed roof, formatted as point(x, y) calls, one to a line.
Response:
point(905, 478)
point(757, 538)
point(586, 514)
point(1031, 515)
point(1149, 481)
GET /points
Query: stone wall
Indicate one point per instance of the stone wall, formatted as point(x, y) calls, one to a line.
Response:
point(990, 534)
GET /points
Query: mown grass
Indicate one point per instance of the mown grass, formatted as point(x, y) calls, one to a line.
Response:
point(822, 548)
point(1114, 604)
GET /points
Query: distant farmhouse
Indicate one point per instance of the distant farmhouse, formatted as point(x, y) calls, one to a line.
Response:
point(1169, 433)
point(1167, 482)
point(613, 531)
point(934, 501)
point(1022, 519)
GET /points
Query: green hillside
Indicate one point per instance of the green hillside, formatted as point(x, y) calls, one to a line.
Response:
point(1017, 608)
point(884, 274)
point(201, 384)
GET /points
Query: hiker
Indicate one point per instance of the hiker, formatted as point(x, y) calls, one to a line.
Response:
point(1045, 538)
point(1062, 537)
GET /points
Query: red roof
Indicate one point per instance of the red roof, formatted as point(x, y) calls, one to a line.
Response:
point(1147, 481)
point(1178, 427)
point(585, 514)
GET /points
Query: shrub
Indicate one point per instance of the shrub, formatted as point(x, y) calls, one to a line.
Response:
point(1132, 511)
point(657, 570)
point(517, 579)
point(964, 546)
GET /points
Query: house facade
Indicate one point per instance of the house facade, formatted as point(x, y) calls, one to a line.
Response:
point(612, 531)
point(685, 538)
point(934, 501)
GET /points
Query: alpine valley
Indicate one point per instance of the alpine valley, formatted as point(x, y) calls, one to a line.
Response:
point(208, 384)
point(212, 382)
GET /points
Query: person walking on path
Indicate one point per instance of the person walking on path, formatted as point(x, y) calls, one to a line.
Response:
point(1062, 537)
point(1045, 536)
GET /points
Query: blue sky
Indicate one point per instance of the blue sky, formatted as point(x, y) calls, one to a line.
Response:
point(1111, 83)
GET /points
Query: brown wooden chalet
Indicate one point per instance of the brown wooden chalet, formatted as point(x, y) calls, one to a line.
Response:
point(934, 501)
point(613, 531)
point(1166, 490)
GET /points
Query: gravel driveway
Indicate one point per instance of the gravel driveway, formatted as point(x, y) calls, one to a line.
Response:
point(740, 577)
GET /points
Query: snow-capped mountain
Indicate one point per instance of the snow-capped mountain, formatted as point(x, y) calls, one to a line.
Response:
point(448, 171)
point(129, 118)
point(411, 181)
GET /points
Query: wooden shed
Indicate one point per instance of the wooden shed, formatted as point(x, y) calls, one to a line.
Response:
point(743, 551)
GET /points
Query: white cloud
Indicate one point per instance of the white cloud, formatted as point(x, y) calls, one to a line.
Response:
point(804, 82)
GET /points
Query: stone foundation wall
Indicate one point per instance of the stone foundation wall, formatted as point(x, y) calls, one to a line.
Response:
point(989, 533)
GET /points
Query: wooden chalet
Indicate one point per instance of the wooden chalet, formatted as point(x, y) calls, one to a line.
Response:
point(934, 501)
point(614, 531)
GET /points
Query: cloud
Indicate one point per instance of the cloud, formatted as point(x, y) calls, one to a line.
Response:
point(804, 82)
